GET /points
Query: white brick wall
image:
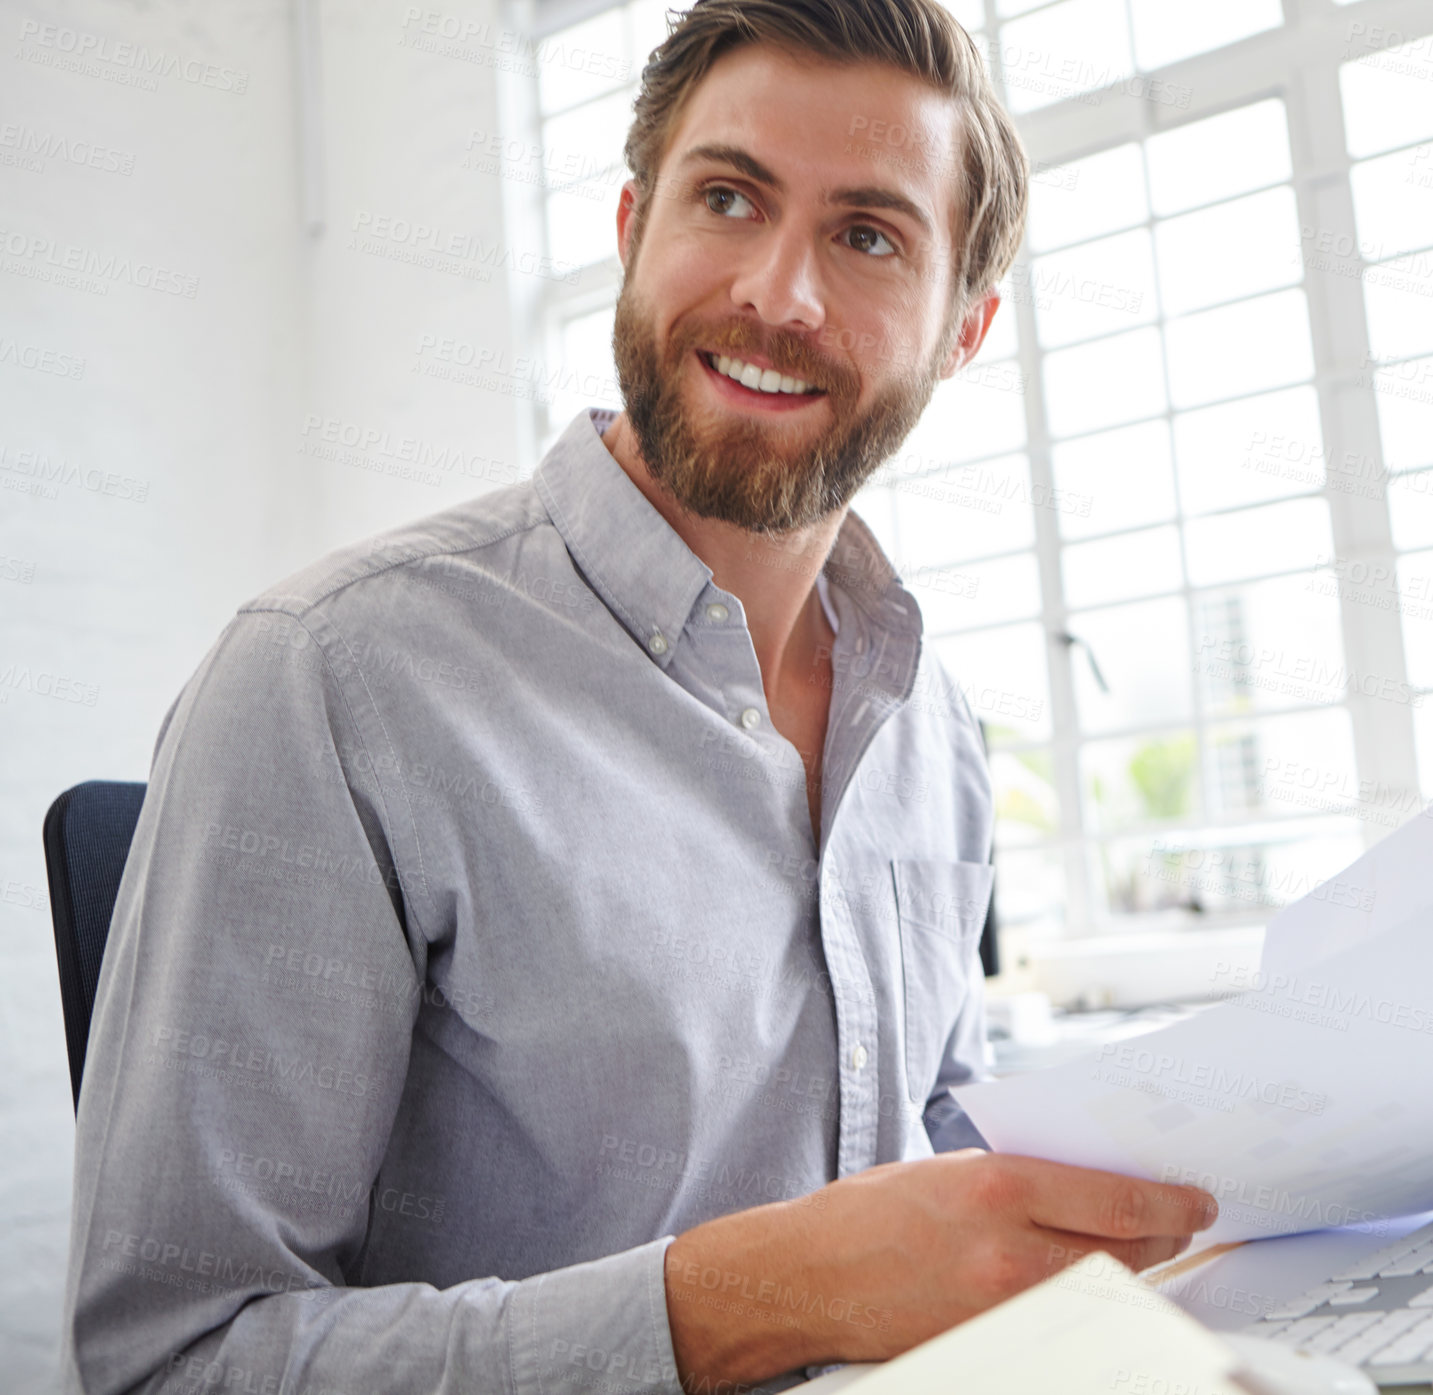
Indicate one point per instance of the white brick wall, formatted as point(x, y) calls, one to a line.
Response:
point(163, 454)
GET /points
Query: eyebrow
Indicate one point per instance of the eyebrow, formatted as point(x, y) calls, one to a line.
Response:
point(865, 196)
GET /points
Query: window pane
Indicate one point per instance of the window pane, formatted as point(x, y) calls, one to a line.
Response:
point(1393, 202)
point(1152, 873)
point(1001, 340)
point(1256, 868)
point(584, 61)
point(1140, 780)
point(1165, 33)
point(1029, 884)
point(1248, 451)
point(649, 28)
point(1143, 653)
point(1385, 99)
point(1119, 569)
point(980, 593)
point(875, 505)
point(1097, 288)
point(1117, 479)
point(1404, 393)
point(1240, 348)
point(1086, 198)
point(1423, 735)
point(1232, 250)
point(978, 412)
point(1299, 764)
point(1415, 600)
point(1398, 297)
point(1270, 645)
point(1408, 493)
point(582, 223)
point(1067, 49)
point(587, 376)
point(1410, 510)
point(1106, 383)
point(1406, 589)
point(1218, 157)
point(585, 143)
point(1003, 676)
point(964, 512)
point(1254, 542)
point(969, 14)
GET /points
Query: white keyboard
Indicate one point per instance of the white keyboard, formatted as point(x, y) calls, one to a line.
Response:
point(1377, 1313)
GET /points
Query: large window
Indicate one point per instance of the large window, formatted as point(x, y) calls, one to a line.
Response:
point(1173, 531)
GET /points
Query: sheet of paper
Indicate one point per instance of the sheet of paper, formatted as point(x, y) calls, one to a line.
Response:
point(1302, 1105)
point(1391, 882)
point(1095, 1328)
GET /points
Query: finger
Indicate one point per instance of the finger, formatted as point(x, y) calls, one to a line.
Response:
point(1108, 1204)
point(1063, 1248)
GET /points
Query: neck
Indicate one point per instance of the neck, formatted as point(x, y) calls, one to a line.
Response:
point(773, 576)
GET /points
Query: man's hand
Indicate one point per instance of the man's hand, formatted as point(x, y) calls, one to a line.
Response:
point(875, 1263)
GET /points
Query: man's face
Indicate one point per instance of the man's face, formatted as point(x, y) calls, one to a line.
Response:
point(778, 238)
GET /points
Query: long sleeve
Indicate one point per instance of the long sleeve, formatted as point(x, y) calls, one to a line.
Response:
point(247, 1057)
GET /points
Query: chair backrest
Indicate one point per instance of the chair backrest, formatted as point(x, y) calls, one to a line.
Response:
point(88, 830)
point(990, 934)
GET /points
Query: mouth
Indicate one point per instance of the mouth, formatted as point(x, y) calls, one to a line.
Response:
point(755, 385)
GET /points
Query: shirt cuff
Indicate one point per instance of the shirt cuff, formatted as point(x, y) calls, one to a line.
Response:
point(599, 1327)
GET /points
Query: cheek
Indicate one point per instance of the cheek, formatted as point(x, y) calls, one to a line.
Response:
point(685, 253)
point(685, 277)
point(883, 347)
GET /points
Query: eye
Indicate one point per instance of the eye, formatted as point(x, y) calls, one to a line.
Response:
point(727, 201)
point(865, 239)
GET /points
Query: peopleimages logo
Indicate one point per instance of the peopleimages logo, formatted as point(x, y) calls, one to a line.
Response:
point(1157, 1068)
point(1250, 987)
point(1270, 1200)
point(134, 65)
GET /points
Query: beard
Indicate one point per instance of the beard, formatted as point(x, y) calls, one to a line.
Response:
point(740, 471)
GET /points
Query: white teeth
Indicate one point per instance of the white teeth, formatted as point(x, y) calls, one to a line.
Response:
point(763, 380)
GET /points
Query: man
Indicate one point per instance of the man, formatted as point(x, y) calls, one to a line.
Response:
point(550, 936)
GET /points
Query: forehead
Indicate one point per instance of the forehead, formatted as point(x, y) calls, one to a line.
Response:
point(818, 124)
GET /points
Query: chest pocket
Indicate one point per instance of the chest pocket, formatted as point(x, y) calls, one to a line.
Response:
point(941, 907)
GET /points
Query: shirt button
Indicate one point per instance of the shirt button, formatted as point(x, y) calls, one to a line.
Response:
point(657, 644)
point(717, 611)
point(750, 718)
point(859, 1058)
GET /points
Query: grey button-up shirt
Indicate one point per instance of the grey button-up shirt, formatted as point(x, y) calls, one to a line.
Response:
point(474, 942)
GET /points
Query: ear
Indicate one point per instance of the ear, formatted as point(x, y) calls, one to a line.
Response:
point(626, 219)
point(973, 328)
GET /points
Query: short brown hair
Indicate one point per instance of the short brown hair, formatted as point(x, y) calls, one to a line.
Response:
point(919, 37)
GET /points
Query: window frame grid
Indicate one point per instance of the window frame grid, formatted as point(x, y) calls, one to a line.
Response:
point(1299, 64)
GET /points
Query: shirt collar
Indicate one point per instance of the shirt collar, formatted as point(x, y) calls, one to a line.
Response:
point(648, 577)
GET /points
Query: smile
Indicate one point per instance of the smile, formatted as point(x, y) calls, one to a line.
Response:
point(756, 387)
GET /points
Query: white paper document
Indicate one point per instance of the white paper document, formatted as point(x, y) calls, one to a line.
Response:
point(1093, 1330)
point(1390, 883)
point(1304, 1103)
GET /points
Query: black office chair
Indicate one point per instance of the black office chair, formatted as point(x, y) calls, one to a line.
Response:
point(88, 830)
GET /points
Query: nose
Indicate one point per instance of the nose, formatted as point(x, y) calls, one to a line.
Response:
point(780, 279)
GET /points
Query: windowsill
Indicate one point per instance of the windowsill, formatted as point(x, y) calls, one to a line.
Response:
point(1076, 1034)
point(1131, 969)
